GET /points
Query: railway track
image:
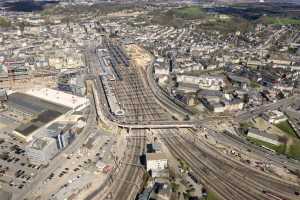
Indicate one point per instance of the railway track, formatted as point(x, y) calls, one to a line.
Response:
point(228, 179)
point(126, 184)
point(138, 103)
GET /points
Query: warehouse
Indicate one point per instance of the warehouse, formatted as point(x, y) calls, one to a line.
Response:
point(60, 98)
point(41, 108)
point(30, 106)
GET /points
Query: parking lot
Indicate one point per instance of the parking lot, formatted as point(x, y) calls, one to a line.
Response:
point(15, 170)
point(80, 172)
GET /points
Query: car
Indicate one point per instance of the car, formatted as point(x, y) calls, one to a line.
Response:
point(76, 169)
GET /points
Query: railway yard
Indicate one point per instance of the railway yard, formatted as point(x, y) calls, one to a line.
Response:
point(129, 99)
point(228, 178)
point(130, 176)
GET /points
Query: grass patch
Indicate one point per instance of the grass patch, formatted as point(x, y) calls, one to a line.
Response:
point(4, 22)
point(287, 128)
point(246, 125)
point(212, 196)
point(183, 165)
point(278, 149)
point(192, 12)
point(254, 84)
point(294, 151)
point(280, 20)
point(174, 186)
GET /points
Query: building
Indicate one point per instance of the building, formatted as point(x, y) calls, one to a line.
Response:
point(274, 116)
point(13, 72)
point(72, 82)
point(160, 70)
point(41, 108)
point(35, 112)
point(59, 98)
point(156, 163)
point(233, 105)
point(3, 98)
point(41, 150)
point(62, 133)
point(29, 106)
point(263, 136)
point(204, 82)
point(218, 105)
point(239, 81)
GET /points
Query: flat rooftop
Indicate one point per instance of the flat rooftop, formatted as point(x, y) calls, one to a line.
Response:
point(156, 156)
point(43, 111)
point(58, 97)
point(38, 122)
point(33, 104)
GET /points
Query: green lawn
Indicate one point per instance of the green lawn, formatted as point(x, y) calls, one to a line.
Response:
point(212, 196)
point(183, 165)
point(246, 125)
point(4, 22)
point(281, 20)
point(287, 128)
point(279, 149)
point(294, 151)
point(254, 84)
point(191, 12)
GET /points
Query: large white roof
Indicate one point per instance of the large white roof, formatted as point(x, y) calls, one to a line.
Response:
point(58, 97)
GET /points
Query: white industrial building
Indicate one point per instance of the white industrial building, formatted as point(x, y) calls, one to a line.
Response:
point(156, 162)
point(43, 107)
point(59, 98)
